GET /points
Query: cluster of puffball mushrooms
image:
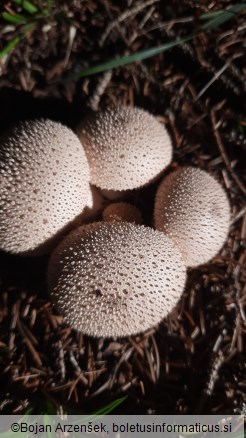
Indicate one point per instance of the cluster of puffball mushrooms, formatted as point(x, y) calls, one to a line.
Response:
point(113, 277)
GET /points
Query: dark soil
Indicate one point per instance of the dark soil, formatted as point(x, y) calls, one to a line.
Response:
point(194, 361)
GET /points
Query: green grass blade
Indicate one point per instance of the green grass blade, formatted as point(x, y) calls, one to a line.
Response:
point(110, 407)
point(13, 43)
point(223, 16)
point(138, 56)
point(27, 6)
point(47, 417)
point(14, 18)
point(209, 15)
point(9, 47)
point(27, 28)
point(49, 408)
point(103, 411)
point(218, 18)
point(49, 6)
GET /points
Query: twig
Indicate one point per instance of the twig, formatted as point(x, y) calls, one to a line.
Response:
point(72, 34)
point(103, 82)
point(238, 216)
point(221, 147)
point(149, 357)
point(218, 362)
point(61, 360)
point(157, 357)
point(214, 78)
point(15, 315)
point(124, 358)
point(126, 14)
point(29, 345)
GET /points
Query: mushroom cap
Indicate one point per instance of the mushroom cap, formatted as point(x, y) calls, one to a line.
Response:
point(126, 148)
point(192, 208)
point(44, 185)
point(122, 212)
point(115, 279)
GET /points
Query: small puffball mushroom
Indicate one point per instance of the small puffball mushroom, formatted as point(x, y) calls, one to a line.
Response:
point(126, 148)
point(114, 195)
point(192, 208)
point(115, 279)
point(44, 185)
point(122, 212)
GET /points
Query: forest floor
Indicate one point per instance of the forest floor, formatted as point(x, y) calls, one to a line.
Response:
point(194, 361)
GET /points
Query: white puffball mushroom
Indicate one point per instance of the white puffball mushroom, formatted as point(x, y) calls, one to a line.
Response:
point(44, 185)
point(192, 208)
point(122, 212)
point(126, 148)
point(115, 279)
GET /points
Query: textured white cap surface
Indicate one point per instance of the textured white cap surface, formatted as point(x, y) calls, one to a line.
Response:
point(126, 148)
point(115, 279)
point(44, 184)
point(192, 208)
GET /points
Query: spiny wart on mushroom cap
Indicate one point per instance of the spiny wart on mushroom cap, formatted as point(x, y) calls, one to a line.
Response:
point(44, 184)
point(126, 148)
point(122, 211)
point(192, 208)
point(115, 279)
